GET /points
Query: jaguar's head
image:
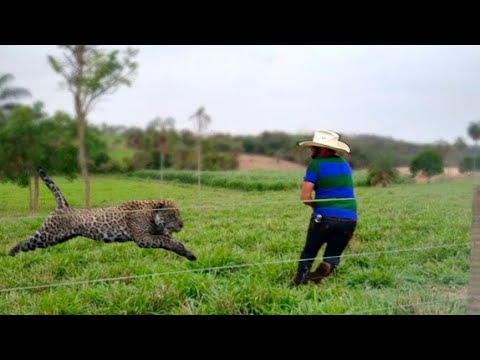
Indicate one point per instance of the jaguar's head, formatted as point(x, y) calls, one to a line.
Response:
point(167, 217)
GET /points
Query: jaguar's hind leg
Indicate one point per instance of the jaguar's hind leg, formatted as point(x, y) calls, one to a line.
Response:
point(47, 235)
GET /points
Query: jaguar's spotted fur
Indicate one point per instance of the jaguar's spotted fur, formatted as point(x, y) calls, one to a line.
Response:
point(147, 222)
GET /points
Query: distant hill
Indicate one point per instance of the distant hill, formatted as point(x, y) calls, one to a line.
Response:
point(370, 147)
point(135, 148)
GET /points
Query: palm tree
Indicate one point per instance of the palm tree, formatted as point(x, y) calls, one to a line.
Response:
point(202, 121)
point(474, 132)
point(7, 94)
point(162, 125)
point(460, 144)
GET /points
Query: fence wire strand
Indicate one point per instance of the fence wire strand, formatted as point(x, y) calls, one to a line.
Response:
point(399, 306)
point(216, 268)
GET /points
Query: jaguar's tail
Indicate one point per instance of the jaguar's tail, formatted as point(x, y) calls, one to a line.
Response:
point(61, 202)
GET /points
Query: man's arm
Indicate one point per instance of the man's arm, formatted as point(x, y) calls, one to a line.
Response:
point(306, 194)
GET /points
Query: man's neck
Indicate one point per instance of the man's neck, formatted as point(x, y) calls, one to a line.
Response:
point(326, 153)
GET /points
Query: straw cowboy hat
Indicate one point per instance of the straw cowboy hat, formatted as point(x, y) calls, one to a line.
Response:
point(327, 139)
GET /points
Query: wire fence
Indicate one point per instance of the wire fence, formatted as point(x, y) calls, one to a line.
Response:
point(406, 308)
point(473, 297)
point(216, 268)
point(215, 206)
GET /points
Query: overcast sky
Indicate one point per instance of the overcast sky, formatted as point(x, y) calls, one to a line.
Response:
point(414, 93)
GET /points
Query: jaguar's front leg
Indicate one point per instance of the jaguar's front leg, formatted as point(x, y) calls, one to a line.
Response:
point(165, 242)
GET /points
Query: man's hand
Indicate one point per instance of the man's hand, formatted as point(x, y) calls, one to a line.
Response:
point(306, 195)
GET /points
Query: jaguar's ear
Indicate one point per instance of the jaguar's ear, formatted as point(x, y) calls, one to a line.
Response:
point(165, 204)
point(160, 205)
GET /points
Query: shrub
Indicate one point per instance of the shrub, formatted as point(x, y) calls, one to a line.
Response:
point(429, 162)
point(382, 172)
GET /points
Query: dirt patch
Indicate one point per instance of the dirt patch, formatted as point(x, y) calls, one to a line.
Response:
point(260, 162)
point(448, 173)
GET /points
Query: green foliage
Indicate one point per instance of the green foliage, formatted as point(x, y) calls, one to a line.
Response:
point(382, 172)
point(31, 138)
point(223, 143)
point(140, 160)
point(358, 159)
point(429, 162)
point(102, 71)
point(116, 148)
point(219, 161)
point(274, 143)
point(182, 145)
point(470, 163)
point(474, 131)
point(96, 150)
point(369, 149)
point(57, 151)
point(21, 144)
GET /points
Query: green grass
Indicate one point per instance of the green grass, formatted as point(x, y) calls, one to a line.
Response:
point(247, 244)
point(257, 180)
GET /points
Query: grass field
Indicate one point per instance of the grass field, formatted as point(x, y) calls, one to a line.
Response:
point(410, 253)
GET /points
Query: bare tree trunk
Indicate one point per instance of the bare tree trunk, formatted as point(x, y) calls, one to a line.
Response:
point(199, 159)
point(30, 197)
point(82, 153)
point(79, 54)
point(475, 157)
point(82, 161)
point(162, 156)
point(36, 192)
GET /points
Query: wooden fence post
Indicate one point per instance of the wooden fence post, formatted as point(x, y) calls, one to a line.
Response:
point(474, 288)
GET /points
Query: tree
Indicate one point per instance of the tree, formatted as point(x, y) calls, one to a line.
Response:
point(460, 144)
point(91, 73)
point(202, 121)
point(134, 137)
point(382, 172)
point(7, 94)
point(429, 161)
point(18, 151)
point(474, 132)
point(443, 147)
point(30, 138)
point(466, 164)
point(162, 125)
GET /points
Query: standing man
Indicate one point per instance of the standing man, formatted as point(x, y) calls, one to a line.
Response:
point(334, 214)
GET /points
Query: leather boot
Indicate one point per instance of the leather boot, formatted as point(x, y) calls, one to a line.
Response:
point(322, 271)
point(301, 278)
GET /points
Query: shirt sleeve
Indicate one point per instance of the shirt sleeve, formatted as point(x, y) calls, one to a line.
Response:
point(312, 173)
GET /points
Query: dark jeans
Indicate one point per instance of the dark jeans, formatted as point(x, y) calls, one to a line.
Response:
point(336, 233)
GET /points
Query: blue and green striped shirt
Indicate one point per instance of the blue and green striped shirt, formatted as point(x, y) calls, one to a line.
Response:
point(332, 177)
